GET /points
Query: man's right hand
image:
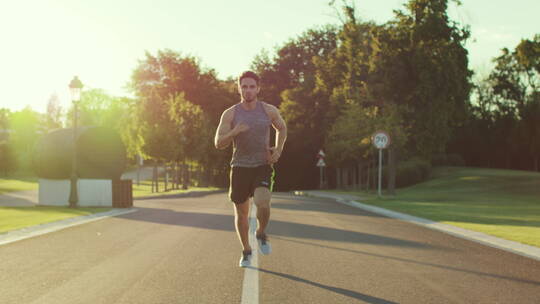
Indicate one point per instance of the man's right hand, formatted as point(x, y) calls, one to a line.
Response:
point(239, 128)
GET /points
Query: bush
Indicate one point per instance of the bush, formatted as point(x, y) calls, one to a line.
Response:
point(412, 172)
point(455, 160)
point(439, 160)
point(448, 160)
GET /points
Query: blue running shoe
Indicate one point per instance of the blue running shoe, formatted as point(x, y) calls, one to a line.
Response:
point(245, 260)
point(264, 244)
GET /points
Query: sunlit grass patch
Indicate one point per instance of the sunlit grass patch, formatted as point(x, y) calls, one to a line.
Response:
point(18, 183)
point(503, 203)
point(13, 218)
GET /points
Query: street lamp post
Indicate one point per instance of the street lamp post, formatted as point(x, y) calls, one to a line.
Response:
point(75, 87)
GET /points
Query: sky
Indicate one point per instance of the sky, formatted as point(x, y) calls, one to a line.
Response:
point(44, 43)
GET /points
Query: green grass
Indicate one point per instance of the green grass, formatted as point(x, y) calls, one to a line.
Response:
point(18, 182)
point(12, 218)
point(145, 189)
point(503, 203)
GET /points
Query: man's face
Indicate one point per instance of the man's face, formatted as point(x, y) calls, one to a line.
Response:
point(248, 89)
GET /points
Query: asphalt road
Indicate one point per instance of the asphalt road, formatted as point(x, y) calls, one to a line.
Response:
point(186, 251)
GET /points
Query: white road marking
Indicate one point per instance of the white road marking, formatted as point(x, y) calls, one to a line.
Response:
point(250, 288)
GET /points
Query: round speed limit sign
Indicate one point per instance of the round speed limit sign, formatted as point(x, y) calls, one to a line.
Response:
point(381, 140)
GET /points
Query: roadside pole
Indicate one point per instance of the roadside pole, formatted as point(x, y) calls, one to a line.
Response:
point(321, 164)
point(139, 161)
point(381, 140)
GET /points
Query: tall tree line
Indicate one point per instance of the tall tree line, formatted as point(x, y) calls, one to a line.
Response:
point(335, 85)
point(408, 76)
point(502, 127)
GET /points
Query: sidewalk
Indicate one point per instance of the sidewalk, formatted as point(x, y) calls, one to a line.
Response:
point(145, 173)
point(27, 198)
point(511, 246)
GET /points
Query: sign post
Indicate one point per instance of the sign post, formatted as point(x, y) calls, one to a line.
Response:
point(321, 164)
point(381, 140)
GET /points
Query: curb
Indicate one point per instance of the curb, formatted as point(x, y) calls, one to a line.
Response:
point(33, 231)
point(482, 238)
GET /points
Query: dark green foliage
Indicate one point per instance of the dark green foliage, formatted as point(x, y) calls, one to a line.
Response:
point(412, 172)
point(502, 128)
point(288, 81)
point(455, 160)
point(447, 160)
point(100, 154)
point(52, 157)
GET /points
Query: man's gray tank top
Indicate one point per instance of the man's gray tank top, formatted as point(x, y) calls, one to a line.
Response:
point(250, 148)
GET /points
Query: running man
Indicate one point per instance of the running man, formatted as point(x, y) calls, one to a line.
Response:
point(247, 126)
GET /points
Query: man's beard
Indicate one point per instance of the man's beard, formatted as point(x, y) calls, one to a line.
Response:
point(248, 100)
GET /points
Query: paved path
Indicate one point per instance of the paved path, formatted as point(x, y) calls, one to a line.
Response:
point(186, 251)
point(27, 198)
point(145, 174)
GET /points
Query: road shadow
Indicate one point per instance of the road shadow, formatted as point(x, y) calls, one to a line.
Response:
point(324, 206)
point(276, 227)
point(318, 204)
point(536, 283)
point(342, 291)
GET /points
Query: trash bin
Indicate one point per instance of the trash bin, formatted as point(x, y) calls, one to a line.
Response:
point(122, 191)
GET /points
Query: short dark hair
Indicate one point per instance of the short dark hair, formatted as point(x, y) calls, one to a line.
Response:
point(249, 74)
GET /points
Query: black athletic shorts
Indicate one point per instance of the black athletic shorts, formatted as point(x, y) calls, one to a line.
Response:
point(244, 180)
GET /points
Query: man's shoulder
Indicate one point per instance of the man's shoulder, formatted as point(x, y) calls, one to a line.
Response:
point(229, 110)
point(269, 108)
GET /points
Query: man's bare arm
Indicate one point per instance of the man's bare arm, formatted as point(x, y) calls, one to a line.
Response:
point(224, 134)
point(281, 133)
point(281, 130)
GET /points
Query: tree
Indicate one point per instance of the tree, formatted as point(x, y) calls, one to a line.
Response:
point(529, 131)
point(24, 125)
point(434, 81)
point(4, 118)
point(503, 121)
point(160, 77)
point(8, 161)
point(130, 127)
point(174, 94)
point(97, 108)
point(516, 84)
point(292, 65)
point(192, 134)
point(288, 81)
point(54, 113)
point(4, 124)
